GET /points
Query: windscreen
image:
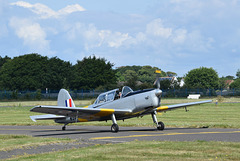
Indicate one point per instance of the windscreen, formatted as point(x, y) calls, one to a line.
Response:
point(126, 90)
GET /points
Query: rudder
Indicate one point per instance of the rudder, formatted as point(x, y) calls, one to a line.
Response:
point(64, 99)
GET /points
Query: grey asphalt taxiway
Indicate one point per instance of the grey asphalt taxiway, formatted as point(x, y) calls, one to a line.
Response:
point(103, 134)
point(91, 135)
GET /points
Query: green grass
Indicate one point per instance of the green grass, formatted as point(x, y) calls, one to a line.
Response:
point(225, 115)
point(10, 142)
point(146, 150)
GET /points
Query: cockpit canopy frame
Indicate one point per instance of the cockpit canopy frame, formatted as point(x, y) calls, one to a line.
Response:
point(126, 90)
point(112, 95)
point(106, 97)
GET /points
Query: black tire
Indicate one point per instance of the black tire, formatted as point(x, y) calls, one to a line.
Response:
point(63, 128)
point(114, 128)
point(160, 126)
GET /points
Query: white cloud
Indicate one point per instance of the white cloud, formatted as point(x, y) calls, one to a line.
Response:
point(70, 9)
point(94, 37)
point(157, 37)
point(32, 34)
point(115, 39)
point(140, 37)
point(156, 28)
point(45, 12)
point(179, 36)
point(160, 37)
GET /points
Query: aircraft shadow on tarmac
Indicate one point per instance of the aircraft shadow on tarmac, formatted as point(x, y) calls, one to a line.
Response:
point(88, 131)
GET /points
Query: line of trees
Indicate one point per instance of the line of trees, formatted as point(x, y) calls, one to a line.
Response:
point(236, 83)
point(33, 71)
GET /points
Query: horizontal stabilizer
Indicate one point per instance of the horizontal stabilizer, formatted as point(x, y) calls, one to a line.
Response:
point(45, 117)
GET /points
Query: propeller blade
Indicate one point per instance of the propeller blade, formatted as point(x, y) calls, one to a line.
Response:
point(157, 82)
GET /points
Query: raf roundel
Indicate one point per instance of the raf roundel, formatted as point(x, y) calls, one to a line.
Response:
point(68, 102)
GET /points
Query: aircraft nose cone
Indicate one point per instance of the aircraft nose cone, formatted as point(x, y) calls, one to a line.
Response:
point(158, 92)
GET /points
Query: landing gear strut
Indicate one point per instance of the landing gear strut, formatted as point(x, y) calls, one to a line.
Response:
point(64, 127)
point(114, 127)
point(160, 125)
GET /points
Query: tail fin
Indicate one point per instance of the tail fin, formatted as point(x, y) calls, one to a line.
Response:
point(64, 99)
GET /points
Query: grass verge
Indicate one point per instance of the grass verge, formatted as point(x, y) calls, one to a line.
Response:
point(146, 150)
point(10, 142)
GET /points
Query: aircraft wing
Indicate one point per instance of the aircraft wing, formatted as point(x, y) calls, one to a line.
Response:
point(171, 107)
point(84, 114)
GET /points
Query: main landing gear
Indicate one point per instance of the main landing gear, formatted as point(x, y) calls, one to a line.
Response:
point(64, 127)
point(160, 125)
point(114, 127)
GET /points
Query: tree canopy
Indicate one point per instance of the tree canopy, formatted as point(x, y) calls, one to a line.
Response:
point(33, 71)
point(144, 74)
point(238, 73)
point(131, 78)
point(235, 84)
point(91, 73)
point(3, 60)
point(202, 78)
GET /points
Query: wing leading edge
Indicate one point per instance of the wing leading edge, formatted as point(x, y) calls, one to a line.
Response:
point(171, 107)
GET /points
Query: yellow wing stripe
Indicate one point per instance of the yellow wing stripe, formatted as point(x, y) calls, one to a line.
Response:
point(104, 112)
point(162, 108)
point(82, 120)
point(101, 113)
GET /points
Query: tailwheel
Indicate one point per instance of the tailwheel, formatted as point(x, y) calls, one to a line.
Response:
point(114, 128)
point(160, 126)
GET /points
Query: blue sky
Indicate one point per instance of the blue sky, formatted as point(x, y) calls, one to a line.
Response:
point(174, 35)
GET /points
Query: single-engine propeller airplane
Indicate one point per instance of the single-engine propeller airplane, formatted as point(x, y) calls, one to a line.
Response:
point(111, 105)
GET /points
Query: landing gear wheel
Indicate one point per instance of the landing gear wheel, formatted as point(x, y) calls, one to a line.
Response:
point(63, 128)
point(114, 128)
point(160, 126)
